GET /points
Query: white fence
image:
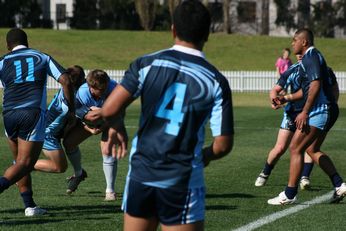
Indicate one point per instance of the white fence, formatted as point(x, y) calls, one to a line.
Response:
point(240, 81)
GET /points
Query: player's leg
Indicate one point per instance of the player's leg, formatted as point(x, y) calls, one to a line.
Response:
point(299, 143)
point(56, 162)
point(197, 226)
point(307, 169)
point(109, 165)
point(139, 224)
point(28, 153)
point(71, 141)
point(283, 140)
point(19, 150)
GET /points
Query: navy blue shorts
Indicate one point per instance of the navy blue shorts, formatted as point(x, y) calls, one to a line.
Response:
point(170, 206)
point(27, 124)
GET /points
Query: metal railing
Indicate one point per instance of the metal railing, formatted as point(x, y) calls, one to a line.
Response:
point(240, 81)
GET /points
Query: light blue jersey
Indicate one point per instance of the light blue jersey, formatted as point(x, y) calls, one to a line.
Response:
point(84, 99)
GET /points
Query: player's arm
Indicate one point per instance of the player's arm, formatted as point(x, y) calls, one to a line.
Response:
point(113, 112)
point(221, 146)
point(221, 124)
point(314, 89)
point(273, 95)
point(67, 88)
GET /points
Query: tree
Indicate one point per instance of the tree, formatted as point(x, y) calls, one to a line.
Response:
point(285, 14)
point(324, 19)
point(226, 18)
point(303, 13)
point(146, 10)
point(340, 19)
point(118, 14)
point(172, 4)
point(84, 14)
point(265, 17)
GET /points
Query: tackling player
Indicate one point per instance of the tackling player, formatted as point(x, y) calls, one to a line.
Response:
point(89, 100)
point(57, 126)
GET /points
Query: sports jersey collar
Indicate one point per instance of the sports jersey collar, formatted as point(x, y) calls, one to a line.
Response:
point(18, 47)
point(310, 48)
point(188, 50)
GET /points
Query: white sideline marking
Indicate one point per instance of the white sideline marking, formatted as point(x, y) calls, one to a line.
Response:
point(275, 216)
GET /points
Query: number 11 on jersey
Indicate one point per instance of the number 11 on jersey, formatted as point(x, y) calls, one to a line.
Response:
point(170, 107)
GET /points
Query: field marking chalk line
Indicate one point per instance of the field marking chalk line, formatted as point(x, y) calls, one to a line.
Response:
point(275, 216)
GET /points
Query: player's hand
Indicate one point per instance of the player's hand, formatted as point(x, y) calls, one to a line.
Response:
point(275, 104)
point(117, 142)
point(302, 121)
point(93, 115)
point(93, 131)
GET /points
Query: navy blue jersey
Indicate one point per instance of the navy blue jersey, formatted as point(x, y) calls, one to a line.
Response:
point(315, 67)
point(23, 73)
point(180, 91)
point(292, 78)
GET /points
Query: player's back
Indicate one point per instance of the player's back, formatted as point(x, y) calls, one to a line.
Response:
point(179, 92)
point(23, 73)
point(315, 67)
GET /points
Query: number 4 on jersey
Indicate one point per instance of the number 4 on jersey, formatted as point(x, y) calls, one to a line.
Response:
point(170, 107)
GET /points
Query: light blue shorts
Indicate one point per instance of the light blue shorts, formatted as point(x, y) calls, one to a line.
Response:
point(52, 143)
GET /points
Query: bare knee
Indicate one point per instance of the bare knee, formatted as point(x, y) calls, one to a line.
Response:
point(60, 168)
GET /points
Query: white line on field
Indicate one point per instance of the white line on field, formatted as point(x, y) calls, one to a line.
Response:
point(275, 216)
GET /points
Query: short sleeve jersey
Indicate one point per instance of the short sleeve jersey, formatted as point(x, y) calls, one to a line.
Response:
point(292, 78)
point(84, 99)
point(23, 74)
point(56, 115)
point(314, 68)
point(180, 91)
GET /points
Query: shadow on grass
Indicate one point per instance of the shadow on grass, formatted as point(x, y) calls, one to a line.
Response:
point(59, 214)
point(230, 195)
point(221, 207)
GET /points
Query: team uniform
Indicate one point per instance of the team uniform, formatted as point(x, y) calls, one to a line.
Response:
point(291, 79)
point(84, 99)
point(24, 73)
point(325, 110)
point(179, 92)
point(56, 122)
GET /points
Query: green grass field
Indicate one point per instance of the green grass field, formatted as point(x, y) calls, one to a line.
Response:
point(116, 49)
point(232, 199)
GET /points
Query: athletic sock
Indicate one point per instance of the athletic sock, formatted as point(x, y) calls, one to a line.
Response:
point(4, 184)
point(110, 171)
point(307, 169)
point(267, 169)
point(75, 158)
point(336, 180)
point(27, 199)
point(291, 192)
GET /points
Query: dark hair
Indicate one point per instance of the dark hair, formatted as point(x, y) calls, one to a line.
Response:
point(77, 75)
point(191, 20)
point(16, 37)
point(98, 79)
point(288, 50)
point(309, 36)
